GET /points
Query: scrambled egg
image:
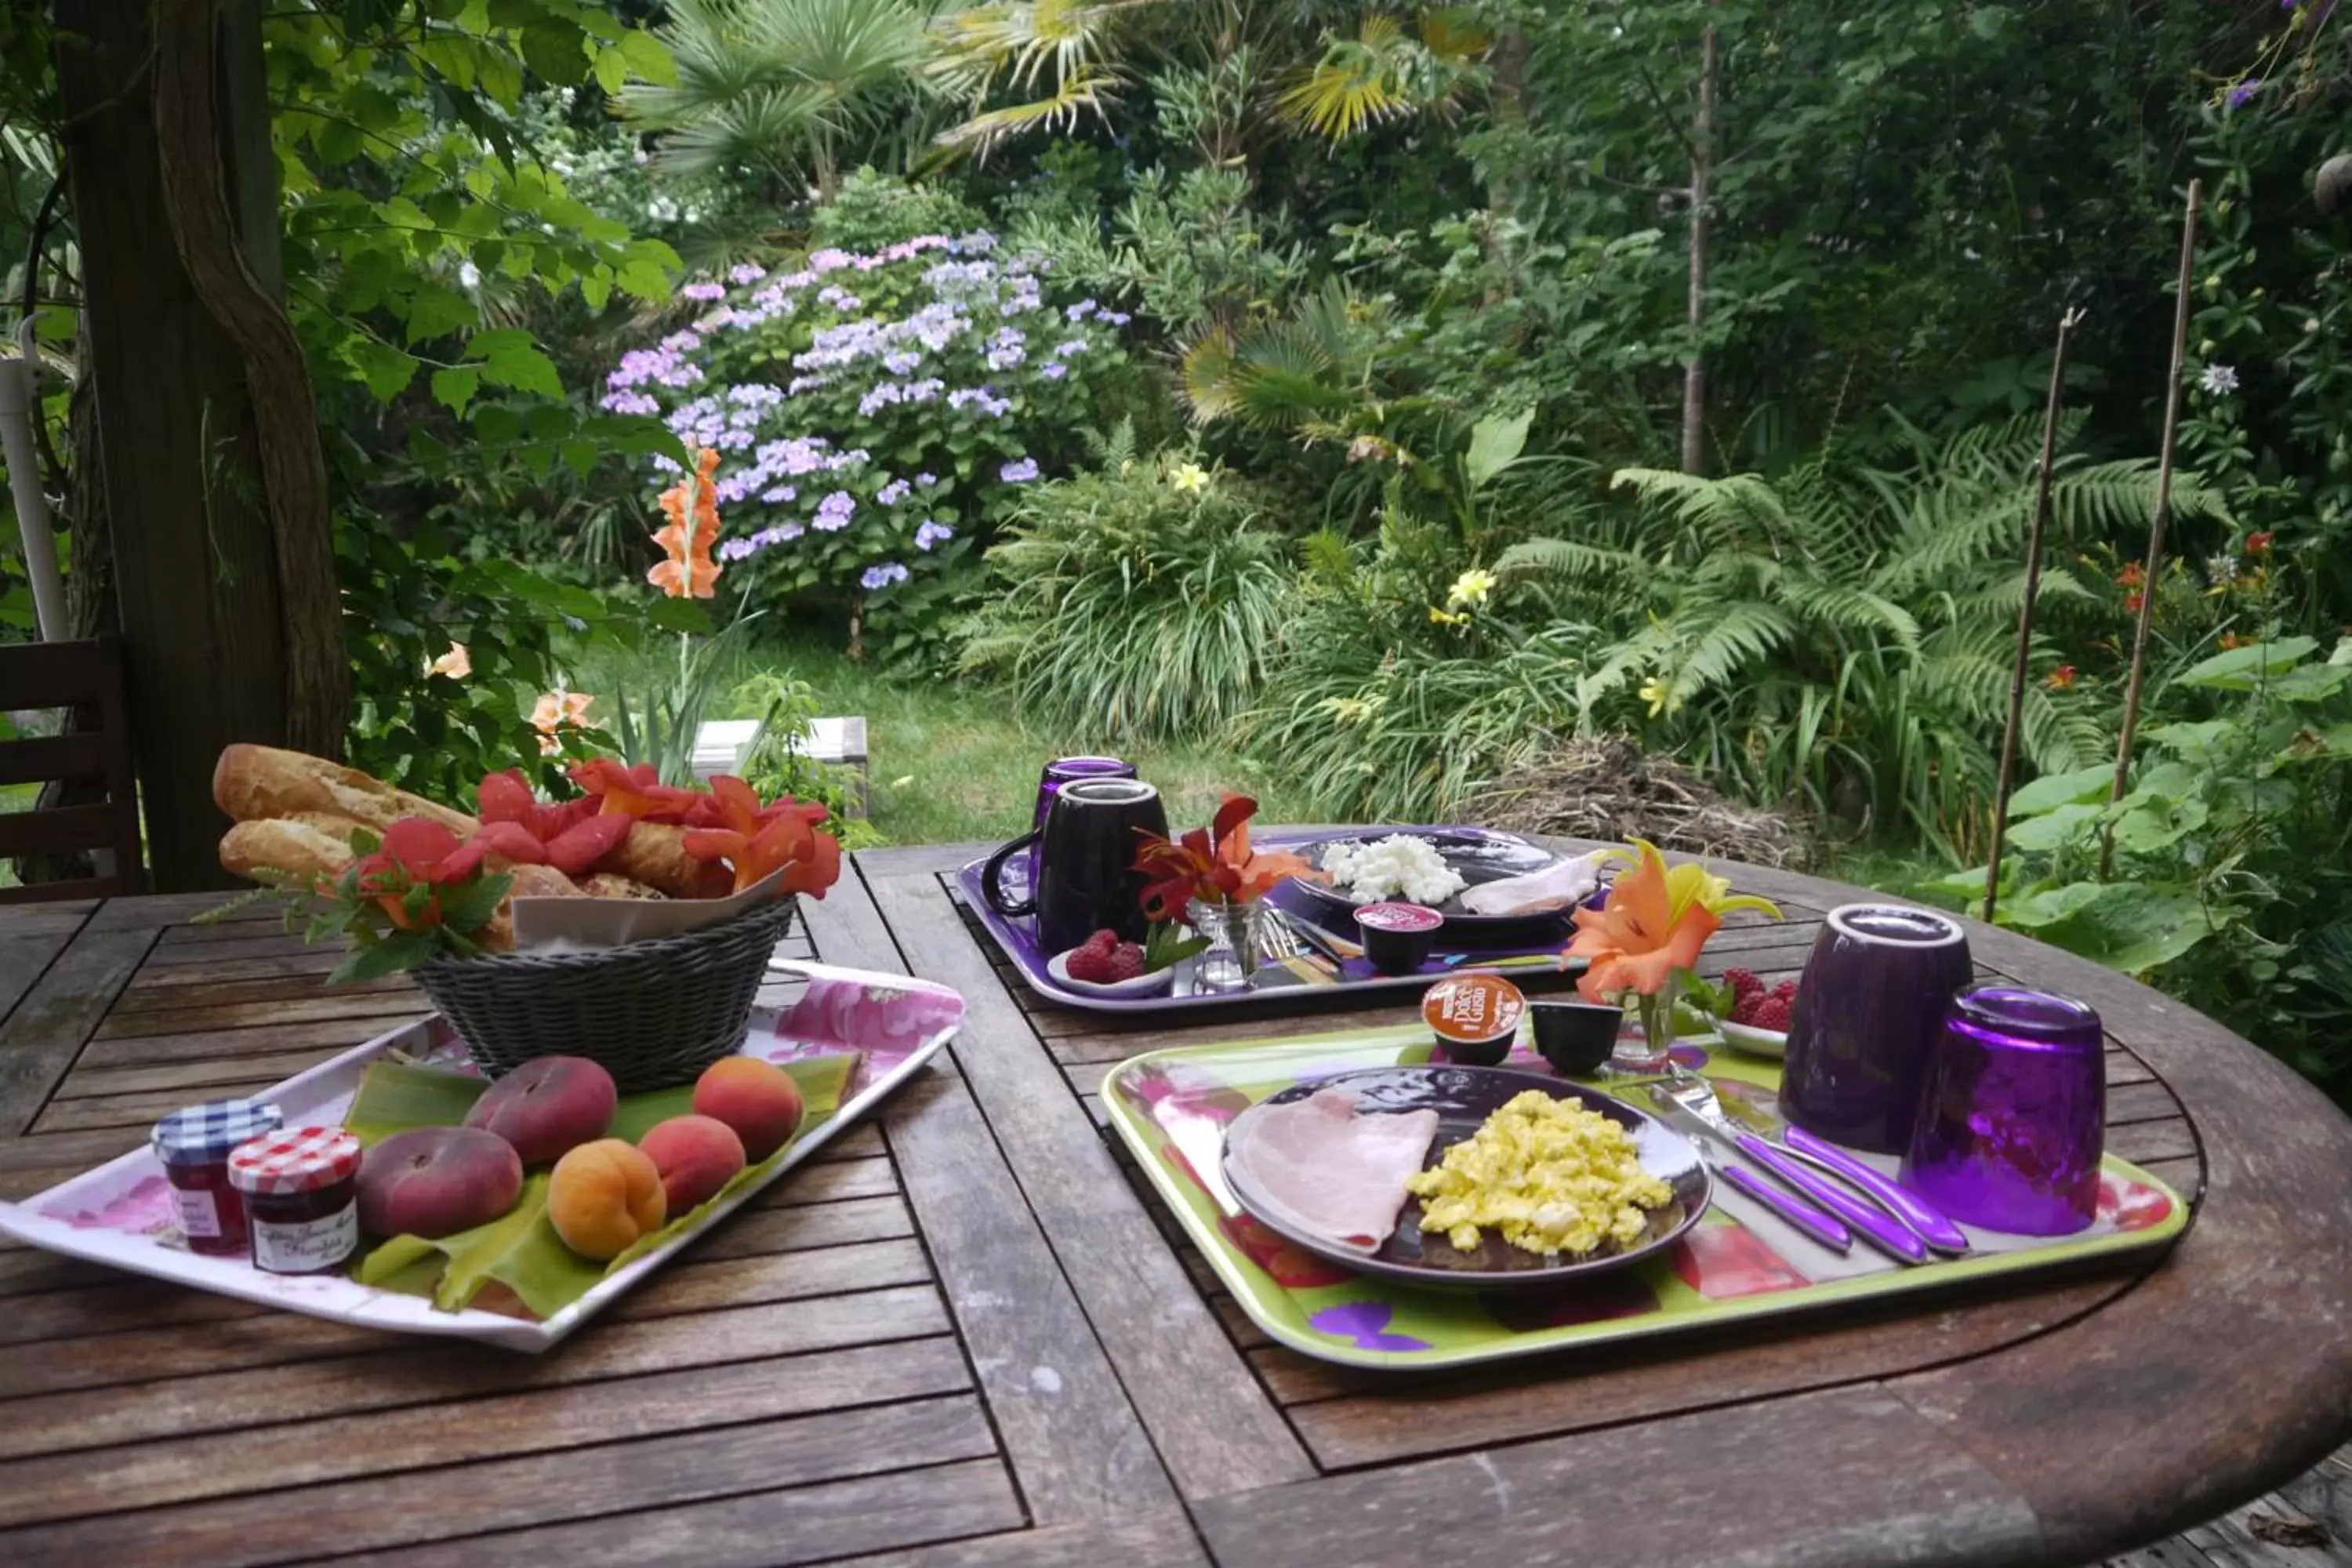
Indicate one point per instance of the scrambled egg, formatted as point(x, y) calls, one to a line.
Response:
point(1550, 1175)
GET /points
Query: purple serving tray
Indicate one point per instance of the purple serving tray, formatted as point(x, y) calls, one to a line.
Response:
point(1526, 952)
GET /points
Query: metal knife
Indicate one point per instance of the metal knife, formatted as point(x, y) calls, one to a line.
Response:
point(1824, 1229)
point(1933, 1228)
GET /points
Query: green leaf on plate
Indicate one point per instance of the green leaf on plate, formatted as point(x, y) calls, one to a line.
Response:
point(394, 1097)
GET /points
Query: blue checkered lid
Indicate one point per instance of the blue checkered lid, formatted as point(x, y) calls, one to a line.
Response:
point(204, 1135)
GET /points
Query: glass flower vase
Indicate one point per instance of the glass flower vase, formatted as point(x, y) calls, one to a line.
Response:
point(1236, 937)
point(1646, 1055)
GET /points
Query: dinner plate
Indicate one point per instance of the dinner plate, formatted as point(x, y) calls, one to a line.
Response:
point(1463, 1097)
point(1480, 855)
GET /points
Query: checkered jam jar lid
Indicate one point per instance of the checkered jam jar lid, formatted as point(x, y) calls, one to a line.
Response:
point(297, 1159)
point(206, 1134)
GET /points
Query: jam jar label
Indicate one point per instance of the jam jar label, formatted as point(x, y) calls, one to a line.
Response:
point(199, 1215)
point(309, 1246)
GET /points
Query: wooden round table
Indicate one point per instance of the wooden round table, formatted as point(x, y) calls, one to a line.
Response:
point(968, 1335)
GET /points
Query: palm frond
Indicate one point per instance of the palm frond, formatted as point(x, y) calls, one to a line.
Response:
point(1086, 88)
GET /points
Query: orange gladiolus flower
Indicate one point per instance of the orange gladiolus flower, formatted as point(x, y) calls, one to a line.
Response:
point(1216, 865)
point(555, 712)
point(2133, 576)
point(2260, 543)
point(1653, 922)
point(692, 507)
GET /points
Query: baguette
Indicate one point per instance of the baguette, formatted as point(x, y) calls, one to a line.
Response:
point(290, 847)
point(255, 783)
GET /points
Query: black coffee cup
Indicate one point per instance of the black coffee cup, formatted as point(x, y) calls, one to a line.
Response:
point(1087, 880)
point(1575, 1037)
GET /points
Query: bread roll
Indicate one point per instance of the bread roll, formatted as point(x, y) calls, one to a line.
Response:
point(605, 885)
point(253, 783)
point(655, 854)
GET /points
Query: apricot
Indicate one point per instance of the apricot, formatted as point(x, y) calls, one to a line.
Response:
point(696, 1155)
point(548, 1107)
point(759, 1099)
point(438, 1180)
point(602, 1197)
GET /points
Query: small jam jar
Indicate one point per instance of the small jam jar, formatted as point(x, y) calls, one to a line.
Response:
point(194, 1146)
point(301, 1191)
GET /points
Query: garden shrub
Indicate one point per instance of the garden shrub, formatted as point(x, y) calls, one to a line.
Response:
point(877, 415)
point(1141, 602)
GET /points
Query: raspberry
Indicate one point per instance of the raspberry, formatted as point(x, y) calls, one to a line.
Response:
point(1787, 991)
point(1126, 961)
point(1743, 981)
point(1771, 1014)
point(1103, 940)
point(1090, 963)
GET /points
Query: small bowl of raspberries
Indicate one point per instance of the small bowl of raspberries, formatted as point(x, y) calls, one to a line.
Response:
point(1105, 966)
point(1760, 1014)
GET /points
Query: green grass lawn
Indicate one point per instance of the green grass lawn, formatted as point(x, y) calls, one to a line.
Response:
point(952, 762)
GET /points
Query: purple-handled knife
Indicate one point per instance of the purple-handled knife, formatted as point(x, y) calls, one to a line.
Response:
point(1823, 1228)
point(1933, 1228)
point(1694, 1095)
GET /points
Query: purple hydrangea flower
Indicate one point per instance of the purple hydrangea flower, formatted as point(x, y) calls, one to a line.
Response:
point(747, 273)
point(893, 493)
point(931, 532)
point(782, 495)
point(833, 512)
point(1082, 309)
point(1018, 473)
point(927, 480)
point(1053, 370)
point(704, 291)
point(876, 578)
point(1116, 318)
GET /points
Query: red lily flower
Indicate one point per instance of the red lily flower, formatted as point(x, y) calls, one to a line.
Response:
point(2260, 543)
point(635, 791)
point(758, 840)
point(416, 849)
point(571, 837)
point(1215, 866)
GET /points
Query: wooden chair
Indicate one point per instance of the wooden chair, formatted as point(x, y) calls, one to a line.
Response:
point(71, 674)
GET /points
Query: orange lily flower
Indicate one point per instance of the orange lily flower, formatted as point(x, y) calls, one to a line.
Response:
point(1653, 922)
point(1216, 865)
point(759, 840)
point(692, 507)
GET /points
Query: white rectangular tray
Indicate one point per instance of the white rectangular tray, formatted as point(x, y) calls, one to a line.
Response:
point(121, 1214)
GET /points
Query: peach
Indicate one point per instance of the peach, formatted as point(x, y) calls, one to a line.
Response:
point(696, 1155)
point(548, 1107)
point(759, 1099)
point(438, 1180)
point(603, 1197)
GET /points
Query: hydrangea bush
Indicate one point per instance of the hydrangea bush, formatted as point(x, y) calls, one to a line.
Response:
point(876, 414)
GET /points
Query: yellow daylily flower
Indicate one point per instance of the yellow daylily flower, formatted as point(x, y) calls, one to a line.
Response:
point(1190, 477)
point(1659, 693)
point(1471, 588)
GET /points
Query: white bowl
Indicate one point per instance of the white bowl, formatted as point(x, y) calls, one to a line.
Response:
point(1150, 984)
point(1756, 1041)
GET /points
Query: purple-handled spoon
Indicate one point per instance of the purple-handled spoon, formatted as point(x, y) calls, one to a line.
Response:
point(1933, 1228)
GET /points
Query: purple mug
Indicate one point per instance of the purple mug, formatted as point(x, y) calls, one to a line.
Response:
point(1870, 1009)
point(2013, 1118)
point(1060, 771)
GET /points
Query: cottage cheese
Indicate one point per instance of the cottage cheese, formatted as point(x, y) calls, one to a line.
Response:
point(1400, 865)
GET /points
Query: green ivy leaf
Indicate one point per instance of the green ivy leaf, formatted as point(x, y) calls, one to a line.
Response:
point(455, 387)
point(385, 369)
point(509, 358)
point(435, 312)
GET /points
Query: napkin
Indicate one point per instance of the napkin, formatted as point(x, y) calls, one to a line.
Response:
point(1538, 892)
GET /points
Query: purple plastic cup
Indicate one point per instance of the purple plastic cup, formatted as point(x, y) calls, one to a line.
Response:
point(1062, 770)
point(1870, 1009)
point(2013, 1118)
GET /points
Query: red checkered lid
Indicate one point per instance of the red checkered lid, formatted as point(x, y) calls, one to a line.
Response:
point(297, 1160)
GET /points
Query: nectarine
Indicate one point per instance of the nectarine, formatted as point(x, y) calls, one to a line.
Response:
point(547, 1106)
point(602, 1197)
point(696, 1155)
point(759, 1099)
point(438, 1180)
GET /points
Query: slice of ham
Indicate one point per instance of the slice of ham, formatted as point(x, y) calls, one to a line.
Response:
point(1320, 1167)
point(1555, 887)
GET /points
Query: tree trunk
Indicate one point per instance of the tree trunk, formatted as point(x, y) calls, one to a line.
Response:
point(222, 559)
point(1701, 193)
point(1509, 61)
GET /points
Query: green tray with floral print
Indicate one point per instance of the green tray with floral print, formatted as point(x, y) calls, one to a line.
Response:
point(1740, 1263)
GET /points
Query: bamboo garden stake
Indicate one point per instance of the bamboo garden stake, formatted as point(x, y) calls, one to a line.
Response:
point(2156, 529)
point(2066, 325)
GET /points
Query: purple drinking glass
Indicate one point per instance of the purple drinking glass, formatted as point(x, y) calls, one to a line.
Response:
point(1870, 1009)
point(2013, 1116)
point(1062, 770)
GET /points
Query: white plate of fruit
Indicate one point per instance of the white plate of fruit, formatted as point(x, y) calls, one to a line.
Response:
point(1758, 1020)
point(1103, 965)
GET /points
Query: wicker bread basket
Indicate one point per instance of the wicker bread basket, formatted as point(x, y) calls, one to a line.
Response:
point(653, 1013)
